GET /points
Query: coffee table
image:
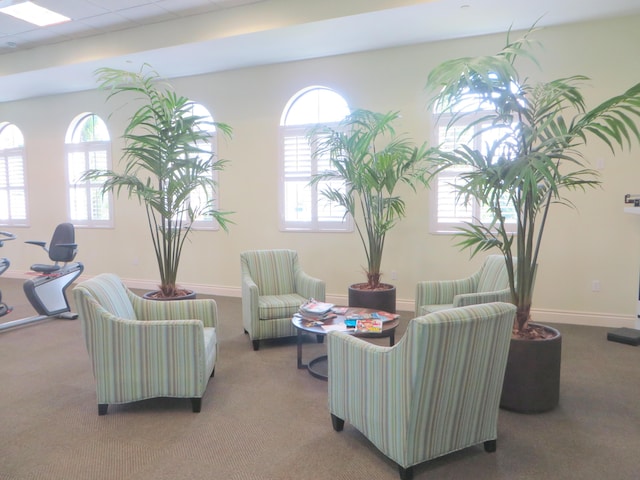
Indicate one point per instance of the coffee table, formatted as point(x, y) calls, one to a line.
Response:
point(317, 366)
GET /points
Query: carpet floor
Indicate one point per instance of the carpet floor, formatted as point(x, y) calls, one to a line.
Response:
point(262, 418)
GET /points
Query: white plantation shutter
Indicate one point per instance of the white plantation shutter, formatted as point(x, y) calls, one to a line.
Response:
point(303, 208)
point(13, 198)
point(87, 205)
point(88, 147)
point(297, 173)
point(201, 196)
point(450, 211)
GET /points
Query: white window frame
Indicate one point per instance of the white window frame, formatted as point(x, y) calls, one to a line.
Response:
point(208, 223)
point(89, 188)
point(324, 217)
point(442, 189)
point(13, 187)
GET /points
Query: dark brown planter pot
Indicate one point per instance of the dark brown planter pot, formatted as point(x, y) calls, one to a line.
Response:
point(384, 299)
point(532, 379)
point(153, 296)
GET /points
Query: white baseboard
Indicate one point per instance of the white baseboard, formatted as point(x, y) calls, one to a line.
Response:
point(593, 319)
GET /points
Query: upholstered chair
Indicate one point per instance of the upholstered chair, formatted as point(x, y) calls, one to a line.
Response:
point(436, 391)
point(489, 284)
point(142, 348)
point(273, 288)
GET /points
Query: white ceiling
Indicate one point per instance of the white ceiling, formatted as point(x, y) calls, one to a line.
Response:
point(187, 37)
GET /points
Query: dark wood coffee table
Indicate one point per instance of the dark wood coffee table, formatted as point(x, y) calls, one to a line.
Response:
point(317, 366)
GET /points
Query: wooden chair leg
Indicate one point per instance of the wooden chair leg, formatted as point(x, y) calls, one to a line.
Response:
point(338, 423)
point(490, 446)
point(405, 473)
point(102, 408)
point(256, 345)
point(196, 404)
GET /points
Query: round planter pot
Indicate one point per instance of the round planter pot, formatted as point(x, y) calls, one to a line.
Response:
point(190, 295)
point(532, 378)
point(383, 299)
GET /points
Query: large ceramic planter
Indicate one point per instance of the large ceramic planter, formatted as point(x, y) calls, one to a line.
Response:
point(153, 296)
point(532, 379)
point(383, 299)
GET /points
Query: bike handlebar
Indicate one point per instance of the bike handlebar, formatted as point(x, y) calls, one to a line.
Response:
point(7, 236)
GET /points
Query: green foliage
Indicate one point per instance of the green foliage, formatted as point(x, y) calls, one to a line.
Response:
point(369, 161)
point(164, 163)
point(537, 158)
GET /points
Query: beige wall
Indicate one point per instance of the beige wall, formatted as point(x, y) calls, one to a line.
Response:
point(596, 242)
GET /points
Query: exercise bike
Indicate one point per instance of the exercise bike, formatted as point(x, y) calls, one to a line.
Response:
point(4, 264)
point(46, 291)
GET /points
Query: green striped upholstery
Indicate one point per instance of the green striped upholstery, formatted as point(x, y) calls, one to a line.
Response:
point(145, 348)
point(272, 307)
point(273, 288)
point(436, 391)
point(489, 284)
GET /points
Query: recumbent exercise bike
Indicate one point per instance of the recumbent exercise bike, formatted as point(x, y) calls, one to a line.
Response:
point(46, 291)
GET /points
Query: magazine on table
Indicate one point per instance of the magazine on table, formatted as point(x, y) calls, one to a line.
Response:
point(369, 325)
point(315, 308)
point(378, 315)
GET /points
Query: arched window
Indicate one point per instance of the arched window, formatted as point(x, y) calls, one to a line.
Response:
point(301, 206)
point(88, 147)
point(448, 212)
point(201, 197)
point(13, 195)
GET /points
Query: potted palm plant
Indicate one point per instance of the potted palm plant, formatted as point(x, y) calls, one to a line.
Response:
point(368, 164)
point(165, 165)
point(532, 162)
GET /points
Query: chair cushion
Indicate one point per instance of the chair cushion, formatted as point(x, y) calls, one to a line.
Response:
point(279, 306)
point(494, 275)
point(427, 309)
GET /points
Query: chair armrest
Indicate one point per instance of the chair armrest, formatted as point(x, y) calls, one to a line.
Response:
point(367, 382)
point(482, 297)
point(309, 287)
point(250, 294)
point(37, 243)
point(440, 292)
point(205, 310)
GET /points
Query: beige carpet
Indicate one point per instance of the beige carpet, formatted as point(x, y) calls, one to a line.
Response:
point(262, 418)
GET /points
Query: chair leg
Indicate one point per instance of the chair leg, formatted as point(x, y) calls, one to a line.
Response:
point(196, 404)
point(405, 473)
point(490, 446)
point(102, 408)
point(338, 423)
point(256, 345)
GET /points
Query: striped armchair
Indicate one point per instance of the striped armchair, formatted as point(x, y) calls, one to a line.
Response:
point(489, 284)
point(273, 288)
point(141, 348)
point(434, 392)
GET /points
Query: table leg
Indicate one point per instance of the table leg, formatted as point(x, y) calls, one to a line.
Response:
point(299, 347)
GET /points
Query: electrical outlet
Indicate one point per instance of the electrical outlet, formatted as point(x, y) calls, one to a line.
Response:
point(595, 286)
point(394, 275)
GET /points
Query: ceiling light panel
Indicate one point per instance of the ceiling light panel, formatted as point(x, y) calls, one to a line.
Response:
point(35, 14)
